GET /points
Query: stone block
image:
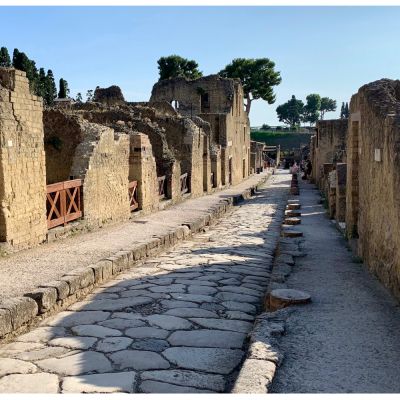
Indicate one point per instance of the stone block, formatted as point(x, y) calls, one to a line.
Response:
point(45, 298)
point(22, 310)
point(106, 268)
point(86, 276)
point(5, 322)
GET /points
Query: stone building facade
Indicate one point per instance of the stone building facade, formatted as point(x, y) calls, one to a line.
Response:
point(22, 163)
point(373, 178)
point(256, 156)
point(220, 102)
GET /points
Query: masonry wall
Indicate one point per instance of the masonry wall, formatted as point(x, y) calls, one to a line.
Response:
point(330, 144)
point(22, 163)
point(373, 178)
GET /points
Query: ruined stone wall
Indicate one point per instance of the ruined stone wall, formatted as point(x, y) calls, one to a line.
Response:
point(341, 173)
point(62, 134)
point(330, 144)
point(102, 161)
point(142, 168)
point(373, 178)
point(22, 163)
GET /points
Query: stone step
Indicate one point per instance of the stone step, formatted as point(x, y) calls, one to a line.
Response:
point(292, 213)
point(291, 233)
point(292, 221)
point(281, 298)
point(293, 206)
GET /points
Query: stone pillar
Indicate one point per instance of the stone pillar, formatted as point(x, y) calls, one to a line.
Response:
point(341, 176)
point(22, 163)
point(142, 168)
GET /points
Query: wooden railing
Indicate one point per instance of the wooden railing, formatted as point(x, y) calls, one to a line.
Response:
point(63, 202)
point(183, 179)
point(133, 195)
point(161, 186)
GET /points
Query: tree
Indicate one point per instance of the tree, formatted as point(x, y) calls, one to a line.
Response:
point(5, 60)
point(23, 63)
point(89, 95)
point(311, 109)
point(51, 88)
point(346, 110)
point(62, 93)
point(79, 97)
point(258, 78)
point(342, 111)
point(291, 112)
point(327, 105)
point(175, 66)
point(42, 85)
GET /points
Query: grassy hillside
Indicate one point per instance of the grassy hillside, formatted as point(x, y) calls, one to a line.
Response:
point(287, 140)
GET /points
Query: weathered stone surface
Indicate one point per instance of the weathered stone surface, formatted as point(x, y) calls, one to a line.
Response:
point(236, 306)
point(11, 366)
point(293, 221)
point(114, 305)
point(126, 315)
point(221, 361)
point(176, 288)
point(22, 310)
point(95, 330)
point(255, 377)
point(42, 334)
point(161, 387)
point(224, 324)
point(138, 360)
point(168, 322)
point(45, 298)
point(291, 233)
point(198, 289)
point(187, 378)
point(178, 304)
point(191, 312)
point(240, 290)
point(229, 296)
point(207, 338)
point(122, 323)
point(71, 318)
point(77, 364)
point(280, 298)
point(80, 342)
point(197, 282)
point(61, 287)
point(100, 383)
point(111, 344)
point(157, 345)
point(31, 383)
point(147, 332)
point(197, 298)
point(239, 315)
point(5, 322)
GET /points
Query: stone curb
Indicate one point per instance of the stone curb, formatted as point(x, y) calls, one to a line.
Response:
point(19, 314)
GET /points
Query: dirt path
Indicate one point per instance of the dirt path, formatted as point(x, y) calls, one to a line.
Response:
point(347, 339)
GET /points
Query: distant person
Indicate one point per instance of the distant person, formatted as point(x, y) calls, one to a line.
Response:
point(308, 169)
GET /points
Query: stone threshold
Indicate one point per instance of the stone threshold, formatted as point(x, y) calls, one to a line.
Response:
point(19, 315)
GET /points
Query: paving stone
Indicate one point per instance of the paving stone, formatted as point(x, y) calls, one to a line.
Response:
point(115, 305)
point(207, 338)
point(222, 361)
point(229, 296)
point(71, 318)
point(176, 288)
point(138, 360)
point(31, 383)
point(197, 298)
point(212, 307)
point(191, 312)
point(126, 315)
point(24, 346)
point(122, 323)
point(187, 378)
point(224, 324)
point(80, 343)
point(197, 289)
point(11, 366)
point(149, 386)
point(135, 293)
point(42, 334)
point(41, 354)
point(147, 332)
point(157, 345)
point(111, 344)
point(169, 322)
point(239, 315)
point(95, 330)
point(77, 364)
point(240, 290)
point(255, 286)
point(178, 304)
point(197, 282)
point(100, 383)
point(229, 281)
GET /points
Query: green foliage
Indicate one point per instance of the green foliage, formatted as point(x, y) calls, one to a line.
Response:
point(291, 112)
point(258, 78)
point(51, 89)
point(5, 60)
point(287, 140)
point(265, 127)
point(23, 63)
point(63, 89)
point(344, 111)
point(79, 97)
point(311, 109)
point(175, 66)
point(55, 142)
point(89, 95)
point(327, 105)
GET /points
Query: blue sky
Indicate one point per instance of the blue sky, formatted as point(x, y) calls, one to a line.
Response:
point(327, 50)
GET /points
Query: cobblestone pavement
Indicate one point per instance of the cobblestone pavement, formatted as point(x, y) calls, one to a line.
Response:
point(177, 323)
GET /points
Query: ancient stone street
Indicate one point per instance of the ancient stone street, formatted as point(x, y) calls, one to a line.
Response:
point(175, 323)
